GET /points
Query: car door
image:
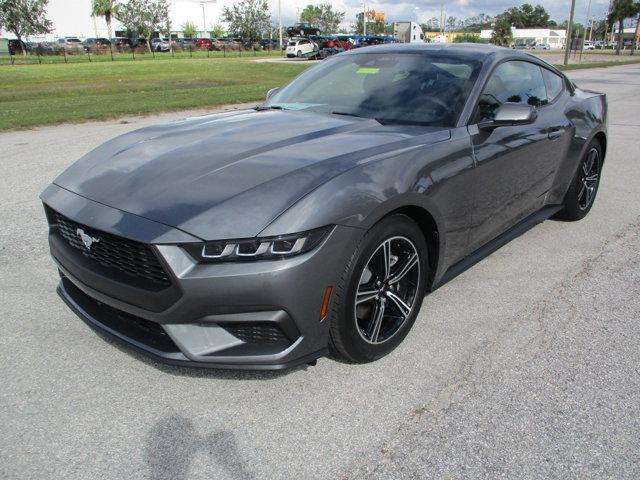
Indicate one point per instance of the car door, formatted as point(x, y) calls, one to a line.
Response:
point(511, 174)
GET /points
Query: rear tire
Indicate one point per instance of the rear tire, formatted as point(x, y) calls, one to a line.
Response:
point(583, 189)
point(378, 300)
point(299, 53)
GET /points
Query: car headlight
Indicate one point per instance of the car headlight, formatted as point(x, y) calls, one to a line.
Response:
point(266, 248)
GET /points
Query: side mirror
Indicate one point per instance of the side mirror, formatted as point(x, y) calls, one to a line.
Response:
point(272, 92)
point(510, 114)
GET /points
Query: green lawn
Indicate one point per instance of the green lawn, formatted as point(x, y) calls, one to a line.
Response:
point(46, 94)
point(580, 66)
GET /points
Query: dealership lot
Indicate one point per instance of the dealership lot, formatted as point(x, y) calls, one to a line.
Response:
point(524, 366)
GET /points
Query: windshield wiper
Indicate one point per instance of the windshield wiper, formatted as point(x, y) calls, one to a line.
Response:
point(348, 114)
point(397, 121)
point(268, 107)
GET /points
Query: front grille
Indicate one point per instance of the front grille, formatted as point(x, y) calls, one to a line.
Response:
point(256, 332)
point(138, 329)
point(135, 260)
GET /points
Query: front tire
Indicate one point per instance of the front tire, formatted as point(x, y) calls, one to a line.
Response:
point(381, 291)
point(583, 189)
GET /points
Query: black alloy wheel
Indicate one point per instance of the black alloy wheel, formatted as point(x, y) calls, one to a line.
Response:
point(387, 290)
point(589, 179)
point(381, 291)
point(581, 194)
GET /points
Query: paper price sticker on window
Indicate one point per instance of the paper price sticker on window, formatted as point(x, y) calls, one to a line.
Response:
point(368, 70)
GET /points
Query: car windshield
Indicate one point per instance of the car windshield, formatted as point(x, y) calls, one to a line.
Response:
point(413, 89)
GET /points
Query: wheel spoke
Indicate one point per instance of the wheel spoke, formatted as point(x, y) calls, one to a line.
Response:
point(408, 266)
point(592, 178)
point(376, 322)
point(399, 303)
point(582, 191)
point(588, 164)
point(386, 252)
point(364, 296)
point(590, 191)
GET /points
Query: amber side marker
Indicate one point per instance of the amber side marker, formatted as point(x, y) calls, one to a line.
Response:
point(325, 303)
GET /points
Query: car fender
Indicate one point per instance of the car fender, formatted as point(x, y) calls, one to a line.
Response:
point(434, 179)
point(587, 113)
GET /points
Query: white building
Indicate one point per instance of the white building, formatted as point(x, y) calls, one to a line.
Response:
point(556, 38)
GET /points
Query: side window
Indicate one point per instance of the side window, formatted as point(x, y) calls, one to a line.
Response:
point(555, 84)
point(514, 81)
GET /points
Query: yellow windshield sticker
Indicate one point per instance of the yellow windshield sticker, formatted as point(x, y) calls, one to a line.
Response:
point(368, 70)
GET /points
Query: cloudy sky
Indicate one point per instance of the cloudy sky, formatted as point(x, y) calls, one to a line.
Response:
point(71, 17)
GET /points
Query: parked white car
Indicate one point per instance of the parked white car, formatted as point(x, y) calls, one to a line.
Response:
point(541, 46)
point(589, 45)
point(302, 47)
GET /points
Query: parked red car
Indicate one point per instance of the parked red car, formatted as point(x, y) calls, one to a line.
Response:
point(339, 43)
point(204, 43)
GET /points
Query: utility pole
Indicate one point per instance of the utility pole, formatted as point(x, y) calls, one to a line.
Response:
point(280, 22)
point(364, 18)
point(584, 34)
point(569, 28)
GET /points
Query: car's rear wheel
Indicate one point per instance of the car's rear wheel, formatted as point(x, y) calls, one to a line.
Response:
point(584, 187)
point(381, 291)
point(299, 53)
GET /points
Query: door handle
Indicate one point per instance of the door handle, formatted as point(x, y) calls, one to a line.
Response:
point(554, 133)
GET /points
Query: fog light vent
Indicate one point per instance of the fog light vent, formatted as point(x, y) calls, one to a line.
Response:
point(256, 332)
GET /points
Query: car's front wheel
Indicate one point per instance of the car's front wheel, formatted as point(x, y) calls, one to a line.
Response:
point(381, 291)
point(584, 187)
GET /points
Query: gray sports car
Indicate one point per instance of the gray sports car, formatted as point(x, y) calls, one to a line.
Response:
point(318, 221)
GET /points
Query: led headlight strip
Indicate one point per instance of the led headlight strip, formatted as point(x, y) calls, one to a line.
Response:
point(267, 248)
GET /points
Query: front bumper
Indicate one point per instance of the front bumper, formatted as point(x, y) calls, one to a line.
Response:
point(253, 315)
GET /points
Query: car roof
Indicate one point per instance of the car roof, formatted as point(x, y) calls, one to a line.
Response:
point(478, 51)
point(464, 49)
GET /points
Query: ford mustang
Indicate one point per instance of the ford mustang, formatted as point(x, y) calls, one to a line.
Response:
point(317, 222)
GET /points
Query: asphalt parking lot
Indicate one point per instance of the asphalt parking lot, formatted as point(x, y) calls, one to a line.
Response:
point(525, 366)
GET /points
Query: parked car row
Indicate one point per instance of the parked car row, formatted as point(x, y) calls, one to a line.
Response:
point(532, 46)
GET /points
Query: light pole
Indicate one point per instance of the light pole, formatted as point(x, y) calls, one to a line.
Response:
point(204, 18)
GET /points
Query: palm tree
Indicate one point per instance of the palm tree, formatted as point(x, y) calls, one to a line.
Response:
point(104, 8)
point(637, 32)
point(620, 11)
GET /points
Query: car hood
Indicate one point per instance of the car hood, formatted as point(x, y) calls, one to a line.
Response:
point(229, 175)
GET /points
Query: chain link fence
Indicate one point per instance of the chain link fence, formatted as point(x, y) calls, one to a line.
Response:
point(54, 54)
